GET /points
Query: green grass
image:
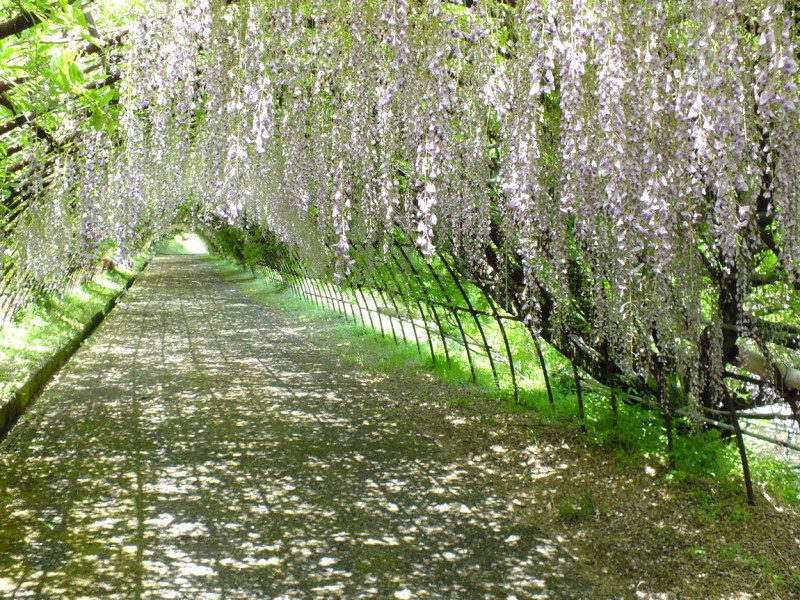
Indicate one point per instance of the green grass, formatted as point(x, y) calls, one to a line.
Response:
point(637, 438)
point(40, 329)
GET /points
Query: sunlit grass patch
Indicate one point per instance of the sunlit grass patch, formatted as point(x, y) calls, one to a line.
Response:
point(39, 330)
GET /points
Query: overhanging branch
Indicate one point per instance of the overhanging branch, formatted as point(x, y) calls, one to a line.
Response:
point(26, 20)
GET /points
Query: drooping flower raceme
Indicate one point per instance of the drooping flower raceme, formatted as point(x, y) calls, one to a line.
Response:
point(646, 150)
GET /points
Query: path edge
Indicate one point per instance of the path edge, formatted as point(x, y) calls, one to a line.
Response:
point(13, 406)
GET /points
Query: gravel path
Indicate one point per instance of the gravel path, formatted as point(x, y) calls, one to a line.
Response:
point(200, 446)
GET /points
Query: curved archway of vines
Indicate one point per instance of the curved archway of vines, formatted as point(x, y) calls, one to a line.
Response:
point(618, 176)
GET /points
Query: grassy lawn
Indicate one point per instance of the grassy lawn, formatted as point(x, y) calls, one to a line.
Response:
point(39, 330)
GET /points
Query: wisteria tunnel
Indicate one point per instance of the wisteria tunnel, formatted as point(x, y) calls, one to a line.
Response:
point(400, 299)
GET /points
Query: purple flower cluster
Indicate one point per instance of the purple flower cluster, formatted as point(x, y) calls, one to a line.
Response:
point(639, 143)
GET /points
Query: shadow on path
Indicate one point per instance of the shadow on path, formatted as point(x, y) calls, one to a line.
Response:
point(199, 447)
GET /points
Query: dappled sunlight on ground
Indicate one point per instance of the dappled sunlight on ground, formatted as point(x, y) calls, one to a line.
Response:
point(200, 446)
point(195, 449)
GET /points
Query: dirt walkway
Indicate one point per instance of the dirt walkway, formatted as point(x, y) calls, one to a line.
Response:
point(200, 446)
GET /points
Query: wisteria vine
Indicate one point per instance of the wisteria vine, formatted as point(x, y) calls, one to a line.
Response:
point(638, 159)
